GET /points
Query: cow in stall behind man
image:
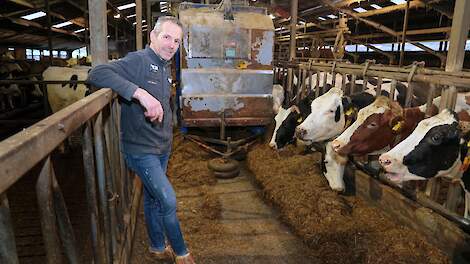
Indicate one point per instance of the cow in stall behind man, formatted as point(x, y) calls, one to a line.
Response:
point(434, 149)
point(63, 95)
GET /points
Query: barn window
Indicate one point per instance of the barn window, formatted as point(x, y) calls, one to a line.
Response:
point(79, 53)
point(29, 54)
point(45, 53)
point(63, 54)
point(11, 49)
point(36, 54)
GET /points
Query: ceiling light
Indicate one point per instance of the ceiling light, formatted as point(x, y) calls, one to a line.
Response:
point(78, 31)
point(131, 16)
point(376, 6)
point(321, 18)
point(398, 2)
point(332, 16)
point(126, 6)
point(34, 15)
point(64, 24)
point(359, 10)
point(118, 15)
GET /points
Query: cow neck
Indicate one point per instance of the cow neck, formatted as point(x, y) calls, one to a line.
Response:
point(411, 118)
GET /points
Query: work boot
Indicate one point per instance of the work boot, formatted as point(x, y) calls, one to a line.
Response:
point(186, 259)
point(166, 254)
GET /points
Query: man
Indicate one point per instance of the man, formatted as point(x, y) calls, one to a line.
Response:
point(142, 79)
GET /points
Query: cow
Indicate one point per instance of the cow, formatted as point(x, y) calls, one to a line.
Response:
point(434, 149)
point(287, 120)
point(8, 93)
point(278, 97)
point(331, 113)
point(63, 95)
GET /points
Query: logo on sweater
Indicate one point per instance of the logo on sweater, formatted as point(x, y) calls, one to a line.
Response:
point(153, 68)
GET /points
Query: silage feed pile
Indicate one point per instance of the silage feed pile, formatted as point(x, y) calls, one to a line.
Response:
point(338, 229)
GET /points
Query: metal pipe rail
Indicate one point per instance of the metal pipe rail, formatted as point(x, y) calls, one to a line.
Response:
point(398, 73)
point(112, 194)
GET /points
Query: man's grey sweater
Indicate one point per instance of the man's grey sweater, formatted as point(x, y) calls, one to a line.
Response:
point(147, 70)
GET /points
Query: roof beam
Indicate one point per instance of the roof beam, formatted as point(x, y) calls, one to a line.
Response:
point(385, 10)
point(383, 28)
point(28, 23)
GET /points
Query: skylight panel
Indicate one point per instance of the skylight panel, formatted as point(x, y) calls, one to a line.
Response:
point(359, 10)
point(332, 16)
point(126, 6)
point(398, 2)
point(63, 24)
point(34, 15)
point(376, 6)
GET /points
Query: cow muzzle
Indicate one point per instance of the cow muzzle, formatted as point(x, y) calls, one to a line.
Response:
point(386, 161)
point(336, 145)
point(300, 132)
point(273, 145)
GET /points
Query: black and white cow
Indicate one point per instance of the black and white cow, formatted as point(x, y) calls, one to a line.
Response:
point(287, 120)
point(434, 149)
point(63, 95)
point(331, 114)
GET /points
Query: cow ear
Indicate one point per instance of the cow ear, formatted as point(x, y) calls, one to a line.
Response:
point(338, 113)
point(454, 132)
point(396, 124)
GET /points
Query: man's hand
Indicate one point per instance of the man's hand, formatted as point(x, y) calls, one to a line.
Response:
point(153, 108)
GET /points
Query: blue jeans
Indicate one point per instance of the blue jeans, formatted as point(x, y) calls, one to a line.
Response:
point(159, 201)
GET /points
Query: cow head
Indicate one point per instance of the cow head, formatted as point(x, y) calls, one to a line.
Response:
point(431, 150)
point(326, 119)
point(280, 117)
point(333, 169)
point(374, 128)
point(285, 132)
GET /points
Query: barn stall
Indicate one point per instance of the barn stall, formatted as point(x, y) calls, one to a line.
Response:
point(338, 228)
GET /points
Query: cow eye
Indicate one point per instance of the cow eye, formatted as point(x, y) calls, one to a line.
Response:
point(372, 125)
point(436, 139)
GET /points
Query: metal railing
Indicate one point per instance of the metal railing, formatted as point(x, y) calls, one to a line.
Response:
point(112, 192)
point(284, 72)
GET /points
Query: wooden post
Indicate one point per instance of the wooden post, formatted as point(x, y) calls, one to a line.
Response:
point(138, 26)
point(98, 32)
point(454, 63)
point(403, 36)
point(293, 47)
point(49, 31)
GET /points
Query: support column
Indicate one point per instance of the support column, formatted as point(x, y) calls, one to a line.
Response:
point(454, 62)
point(49, 32)
point(98, 32)
point(292, 48)
point(403, 36)
point(138, 26)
